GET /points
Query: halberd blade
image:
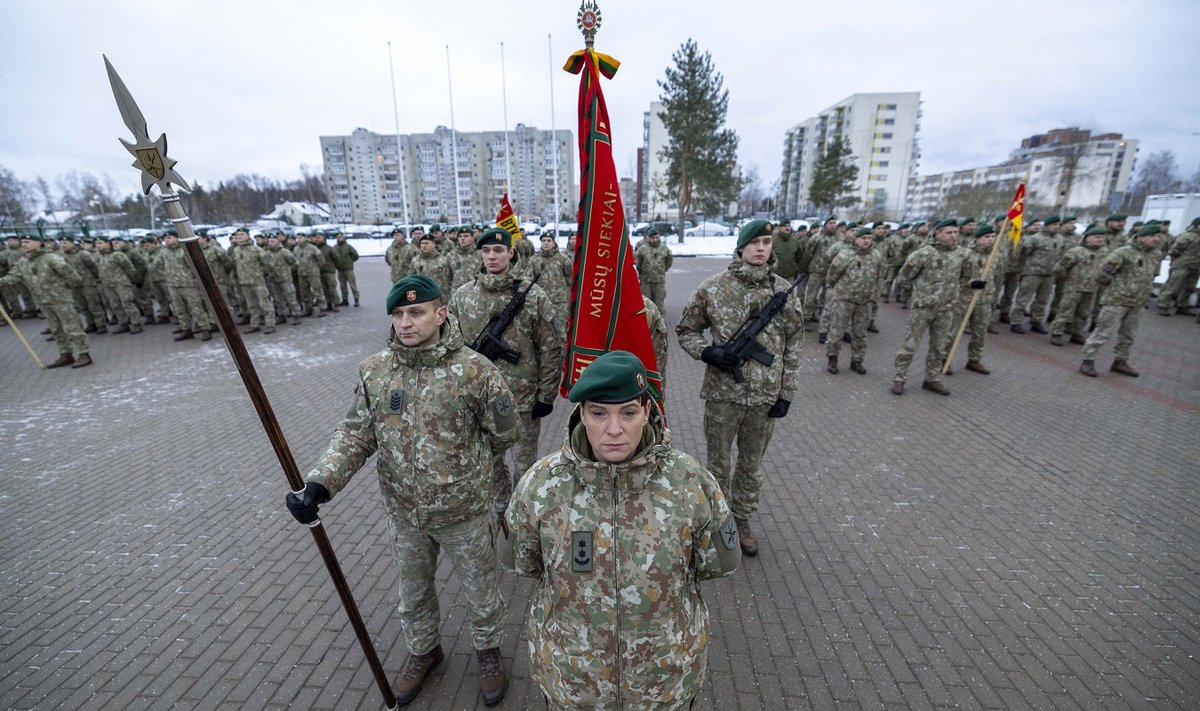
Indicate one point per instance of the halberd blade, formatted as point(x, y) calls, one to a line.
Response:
point(130, 113)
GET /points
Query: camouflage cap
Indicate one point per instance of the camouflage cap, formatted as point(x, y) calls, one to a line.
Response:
point(753, 229)
point(412, 289)
point(611, 379)
point(496, 235)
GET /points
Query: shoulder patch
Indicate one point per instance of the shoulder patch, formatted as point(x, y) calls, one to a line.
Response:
point(729, 533)
point(506, 417)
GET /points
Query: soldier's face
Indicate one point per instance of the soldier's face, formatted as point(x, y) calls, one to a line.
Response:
point(170, 240)
point(103, 246)
point(465, 239)
point(496, 258)
point(30, 245)
point(986, 241)
point(863, 242)
point(1114, 226)
point(418, 325)
point(614, 431)
point(397, 236)
point(757, 251)
point(1095, 240)
point(1148, 240)
point(548, 244)
point(427, 246)
point(946, 235)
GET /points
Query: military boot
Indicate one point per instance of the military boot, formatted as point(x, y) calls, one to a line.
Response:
point(162, 319)
point(1056, 340)
point(1037, 327)
point(1164, 312)
point(63, 359)
point(871, 328)
point(822, 337)
point(1184, 311)
point(1088, 368)
point(857, 367)
point(747, 540)
point(412, 675)
point(977, 367)
point(205, 334)
point(832, 367)
point(1004, 318)
point(135, 327)
point(934, 386)
point(1017, 328)
point(492, 680)
point(898, 387)
point(295, 320)
point(1122, 367)
point(91, 328)
point(183, 335)
point(252, 329)
point(1078, 339)
point(82, 361)
point(243, 320)
point(123, 328)
point(268, 329)
point(101, 329)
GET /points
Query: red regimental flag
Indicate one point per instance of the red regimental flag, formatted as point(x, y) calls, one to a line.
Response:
point(606, 311)
point(1016, 215)
point(507, 220)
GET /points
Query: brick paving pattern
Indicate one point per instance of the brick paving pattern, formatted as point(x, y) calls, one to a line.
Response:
point(1032, 541)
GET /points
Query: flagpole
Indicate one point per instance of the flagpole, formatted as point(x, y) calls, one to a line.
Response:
point(399, 153)
point(507, 150)
point(553, 131)
point(453, 140)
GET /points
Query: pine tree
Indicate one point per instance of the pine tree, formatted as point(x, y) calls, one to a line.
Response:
point(833, 177)
point(701, 154)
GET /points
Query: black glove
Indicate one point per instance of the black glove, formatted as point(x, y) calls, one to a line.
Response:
point(780, 408)
point(305, 510)
point(977, 283)
point(541, 409)
point(718, 357)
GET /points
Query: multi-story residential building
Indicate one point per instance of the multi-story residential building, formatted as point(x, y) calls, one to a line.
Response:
point(363, 173)
point(882, 131)
point(653, 203)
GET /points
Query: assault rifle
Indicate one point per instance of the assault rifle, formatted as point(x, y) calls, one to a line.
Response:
point(488, 343)
point(744, 345)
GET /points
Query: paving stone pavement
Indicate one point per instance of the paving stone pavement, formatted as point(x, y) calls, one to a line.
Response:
point(1032, 541)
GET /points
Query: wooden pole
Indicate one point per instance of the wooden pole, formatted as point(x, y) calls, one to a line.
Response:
point(9, 321)
point(987, 272)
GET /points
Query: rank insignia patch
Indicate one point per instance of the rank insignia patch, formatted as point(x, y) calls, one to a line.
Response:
point(395, 401)
point(581, 552)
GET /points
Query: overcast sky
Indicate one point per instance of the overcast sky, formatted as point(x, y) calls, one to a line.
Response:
point(248, 86)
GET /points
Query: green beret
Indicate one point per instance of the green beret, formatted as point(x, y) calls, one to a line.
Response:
point(948, 222)
point(149, 239)
point(1096, 230)
point(984, 229)
point(919, 223)
point(904, 226)
point(1052, 220)
point(202, 232)
point(862, 232)
point(1118, 217)
point(611, 379)
point(964, 220)
point(435, 228)
point(1069, 218)
point(412, 289)
point(753, 229)
point(651, 230)
point(242, 230)
point(851, 225)
point(1149, 229)
point(31, 237)
point(495, 235)
point(1195, 222)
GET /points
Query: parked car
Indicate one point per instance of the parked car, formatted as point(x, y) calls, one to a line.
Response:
point(664, 228)
point(708, 229)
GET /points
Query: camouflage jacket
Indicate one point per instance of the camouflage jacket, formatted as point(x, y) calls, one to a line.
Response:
point(343, 255)
point(47, 275)
point(281, 263)
point(818, 252)
point(974, 260)
point(786, 252)
point(720, 305)
point(309, 260)
point(534, 334)
point(555, 269)
point(434, 264)
point(854, 273)
point(465, 265)
point(327, 266)
point(153, 268)
point(1127, 275)
point(1040, 252)
point(1080, 266)
point(85, 264)
point(115, 269)
point(398, 256)
point(250, 262)
point(652, 261)
point(1185, 252)
point(218, 261)
point(434, 415)
point(138, 260)
point(176, 267)
point(616, 619)
point(936, 272)
point(658, 334)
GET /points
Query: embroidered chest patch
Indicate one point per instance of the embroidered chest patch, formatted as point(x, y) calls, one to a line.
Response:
point(395, 401)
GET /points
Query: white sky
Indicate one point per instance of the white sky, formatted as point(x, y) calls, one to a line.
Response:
point(248, 86)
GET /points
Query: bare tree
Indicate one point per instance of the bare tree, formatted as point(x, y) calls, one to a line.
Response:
point(753, 194)
point(1158, 174)
point(16, 197)
point(980, 201)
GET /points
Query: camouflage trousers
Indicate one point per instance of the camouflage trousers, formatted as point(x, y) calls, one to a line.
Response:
point(1032, 296)
point(1058, 290)
point(1178, 289)
point(1123, 320)
point(525, 453)
point(472, 554)
point(311, 293)
point(329, 287)
point(656, 291)
point(88, 303)
point(347, 284)
point(159, 292)
point(17, 300)
point(938, 323)
point(283, 293)
point(64, 324)
point(814, 290)
point(977, 328)
point(123, 303)
point(1006, 299)
point(190, 309)
point(851, 318)
point(1074, 310)
point(749, 425)
point(258, 304)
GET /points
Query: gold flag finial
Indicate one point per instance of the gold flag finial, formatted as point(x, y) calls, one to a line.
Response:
point(588, 21)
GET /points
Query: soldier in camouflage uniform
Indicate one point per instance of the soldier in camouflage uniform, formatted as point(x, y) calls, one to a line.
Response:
point(279, 281)
point(658, 337)
point(852, 280)
point(328, 271)
point(87, 299)
point(744, 411)
point(974, 261)
point(534, 334)
point(917, 239)
point(936, 273)
point(897, 254)
point(818, 263)
point(156, 286)
point(116, 274)
point(433, 411)
point(251, 264)
point(17, 299)
point(785, 249)
point(1127, 276)
point(344, 255)
point(1068, 238)
point(834, 249)
point(220, 264)
point(1185, 269)
point(138, 277)
point(618, 528)
point(1078, 270)
point(555, 274)
point(184, 289)
point(1015, 265)
point(429, 260)
point(399, 253)
point(465, 262)
point(653, 260)
point(309, 262)
point(1039, 253)
point(50, 279)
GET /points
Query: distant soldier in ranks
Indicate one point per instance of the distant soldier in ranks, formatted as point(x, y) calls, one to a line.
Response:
point(221, 265)
point(658, 336)
point(974, 260)
point(786, 245)
point(465, 262)
point(895, 260)
point(555, 271)
point(432, 262)
point(534, 334)
point(936, 273)
point(882, 242)
point(279, 281)
point(1068, 239)
point(328, 270)
point(184, 290)
point(400, 253)
point(853, 284)
point(1014, 266)
point(745, 411)
point(156, 287)
point(653, 260)
point(309, 261)
point(251, 264)
point(1127, 276)
point(818, 264)
point(344, 256)
point(524, 249)
point(87, 299)
point(116, 274)
point(50, 279)
point(1114, 231)
point(1077, 270)
point(17, 299)
point(1039, 252)
point(138, 278)
point(1185, 270)
point(843, 242)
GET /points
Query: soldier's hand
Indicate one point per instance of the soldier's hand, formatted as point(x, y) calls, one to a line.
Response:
point(718, 357)
point(780, 408)
point(541, 409)
point(305, 508)
point(977, 283)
